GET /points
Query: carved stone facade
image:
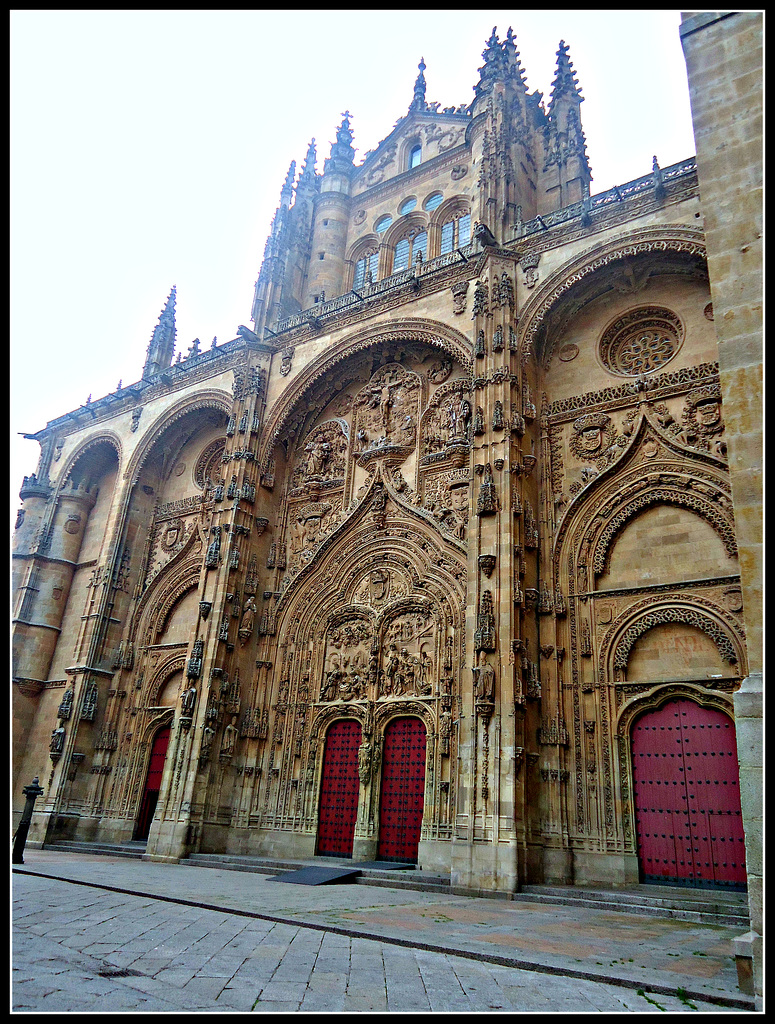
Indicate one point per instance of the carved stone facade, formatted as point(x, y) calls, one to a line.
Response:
point(486, 489)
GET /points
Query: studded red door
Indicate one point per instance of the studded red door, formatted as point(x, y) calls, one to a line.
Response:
point(152, 783)
point(402, 791)
point(339, 790)
point(687, 797)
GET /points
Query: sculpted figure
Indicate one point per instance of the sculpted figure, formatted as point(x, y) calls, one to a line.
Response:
point(56, 746)
point(188, 700)
point(248, 618)
point(445, 730)
point(426, 673)
point(229, 739)
point(408, 671)
point(364, 762)
point(391, 669)
point(207, 742)
point(318, 453)
point(485, 679)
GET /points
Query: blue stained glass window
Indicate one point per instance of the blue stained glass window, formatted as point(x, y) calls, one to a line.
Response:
point(401, 259)
point(433, 201)
point(407, 250)
point(363, 266)
point(415, 156)
point(383, 224)
point(455, 233)
point(407, 206)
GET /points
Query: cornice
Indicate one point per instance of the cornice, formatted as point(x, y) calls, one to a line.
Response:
point(179, 376)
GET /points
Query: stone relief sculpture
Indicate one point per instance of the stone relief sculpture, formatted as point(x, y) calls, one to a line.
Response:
point(386, 411)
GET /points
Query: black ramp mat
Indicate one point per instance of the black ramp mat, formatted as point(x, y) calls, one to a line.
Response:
point(317, 876)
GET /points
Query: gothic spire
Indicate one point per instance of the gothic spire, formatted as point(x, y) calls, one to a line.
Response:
point(342, 152)
point(307, 176)
point(418, 100)
point(511, 61)
point(565, 82)
point(496, 60)
point(286, 193)
point(161, 347)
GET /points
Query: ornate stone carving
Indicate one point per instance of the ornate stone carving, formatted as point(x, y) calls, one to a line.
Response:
point(386, 414)
point(459, 290)
point(641, 340)
point(702, 420)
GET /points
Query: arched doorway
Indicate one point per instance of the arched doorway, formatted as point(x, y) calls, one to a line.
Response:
point(152, 783)
point(339, 790)
point(403, 790)
point(687, 797)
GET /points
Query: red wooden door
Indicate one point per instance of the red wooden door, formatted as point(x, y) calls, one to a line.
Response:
point(403, 789)
point(152, 783)
point(339, 790)
point(687, 797)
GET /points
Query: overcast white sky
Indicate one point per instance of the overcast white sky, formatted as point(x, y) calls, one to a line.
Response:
point(148, 149)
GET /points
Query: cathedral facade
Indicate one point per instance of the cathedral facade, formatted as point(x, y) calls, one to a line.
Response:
point(436, 562)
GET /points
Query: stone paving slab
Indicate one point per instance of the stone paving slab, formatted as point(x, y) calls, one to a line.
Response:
point(363, 948)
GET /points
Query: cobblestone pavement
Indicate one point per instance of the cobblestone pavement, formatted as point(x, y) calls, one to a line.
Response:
point(82, 947)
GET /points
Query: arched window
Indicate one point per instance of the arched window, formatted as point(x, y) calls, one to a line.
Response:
point(456, 231)
point(366, 269)
point(411, 247)
point(415, 156)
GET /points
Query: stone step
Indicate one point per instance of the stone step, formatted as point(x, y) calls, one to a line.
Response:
point(403, 878)
point(705, 907)
point(129, 849)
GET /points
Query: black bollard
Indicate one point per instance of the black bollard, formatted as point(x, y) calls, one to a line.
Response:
point(31, 792)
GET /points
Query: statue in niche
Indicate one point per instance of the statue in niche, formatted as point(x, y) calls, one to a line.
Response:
point(479, 421)
point(487, 502)
point(229, 740)
point(248, 621)
point(445, 731)
point(187, 701)
point(208, 734)
point(426, 674)
point(364, 761)
point(484, 679)
point(57, 744)
point(484, 637)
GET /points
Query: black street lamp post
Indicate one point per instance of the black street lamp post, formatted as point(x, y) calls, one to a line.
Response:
point(31, 792)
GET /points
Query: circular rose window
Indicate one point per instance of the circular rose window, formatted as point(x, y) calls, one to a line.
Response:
point(640, 341)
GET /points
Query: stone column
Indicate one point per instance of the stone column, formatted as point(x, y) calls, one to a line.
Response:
point(723, 51)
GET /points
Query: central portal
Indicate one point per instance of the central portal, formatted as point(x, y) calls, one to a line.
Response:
point(403, 788)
